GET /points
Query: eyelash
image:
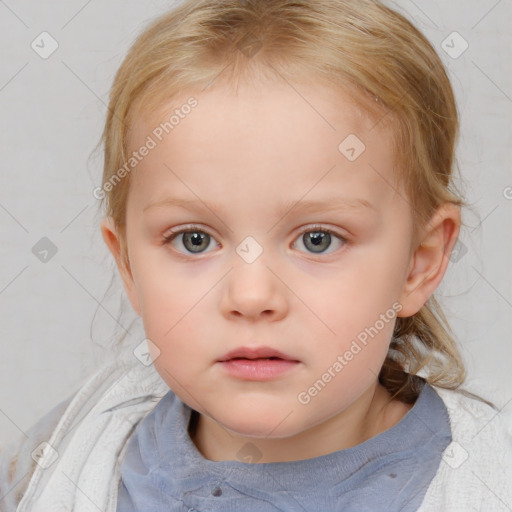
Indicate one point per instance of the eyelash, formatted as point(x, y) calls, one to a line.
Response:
point(192, 228)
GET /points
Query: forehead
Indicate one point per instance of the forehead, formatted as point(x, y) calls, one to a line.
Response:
point(292, 138)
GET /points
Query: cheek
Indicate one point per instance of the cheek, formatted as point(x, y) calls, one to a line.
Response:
point(352, 314)
point(378, 274)
point(181, 352)
point(165, 292)
point(173, 313)
point(349, 300)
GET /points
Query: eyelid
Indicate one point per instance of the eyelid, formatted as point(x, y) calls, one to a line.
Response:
point(321, 227)
point(187, 227)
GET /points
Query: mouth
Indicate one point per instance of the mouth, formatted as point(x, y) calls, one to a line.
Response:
point(257, 364)
point(255, 353)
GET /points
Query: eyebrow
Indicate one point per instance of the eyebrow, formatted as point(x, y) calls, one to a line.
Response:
point(329, 205)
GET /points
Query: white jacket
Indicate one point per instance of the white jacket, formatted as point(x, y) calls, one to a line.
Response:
point(79, 464)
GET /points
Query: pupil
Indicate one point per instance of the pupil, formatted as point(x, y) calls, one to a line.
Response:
point(317, 240)
point(197, 241)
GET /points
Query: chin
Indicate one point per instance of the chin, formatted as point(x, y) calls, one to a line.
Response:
point(257, 424)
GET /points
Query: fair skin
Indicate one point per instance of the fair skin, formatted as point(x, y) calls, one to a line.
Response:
point(250, 154)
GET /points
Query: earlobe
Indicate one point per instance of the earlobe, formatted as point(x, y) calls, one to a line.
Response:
point(112, 240)
point(431, 258)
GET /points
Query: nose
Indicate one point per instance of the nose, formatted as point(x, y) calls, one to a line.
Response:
point(254, 291)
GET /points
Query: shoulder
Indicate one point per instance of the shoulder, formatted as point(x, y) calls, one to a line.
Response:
point(18, 458)
point(17, 462)
point(476, 467)
point(473, 421)
point(109, 404)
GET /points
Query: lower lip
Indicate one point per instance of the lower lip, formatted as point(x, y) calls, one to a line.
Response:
point(258, 369)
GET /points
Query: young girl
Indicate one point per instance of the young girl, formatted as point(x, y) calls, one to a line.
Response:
point(279, 203)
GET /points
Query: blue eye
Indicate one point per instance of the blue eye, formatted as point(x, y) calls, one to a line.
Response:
point(315, 239)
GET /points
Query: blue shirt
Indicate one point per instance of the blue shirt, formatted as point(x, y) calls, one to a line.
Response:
point(163, 470)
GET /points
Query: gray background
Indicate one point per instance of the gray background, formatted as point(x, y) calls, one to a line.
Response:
point(58, 317)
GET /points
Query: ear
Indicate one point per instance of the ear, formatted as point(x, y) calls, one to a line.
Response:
point(430, 259)
point(113, 241)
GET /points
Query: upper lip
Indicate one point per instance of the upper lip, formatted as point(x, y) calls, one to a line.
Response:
point(255, 353)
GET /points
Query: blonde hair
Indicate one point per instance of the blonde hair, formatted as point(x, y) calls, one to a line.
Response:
point(361, 47)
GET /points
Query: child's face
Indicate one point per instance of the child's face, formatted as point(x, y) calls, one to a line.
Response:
point(241, 162)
